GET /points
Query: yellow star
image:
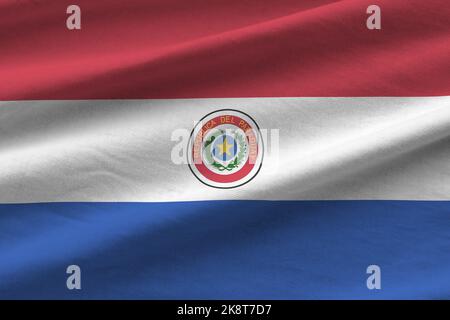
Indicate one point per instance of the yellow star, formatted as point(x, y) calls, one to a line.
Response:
point(225, 147)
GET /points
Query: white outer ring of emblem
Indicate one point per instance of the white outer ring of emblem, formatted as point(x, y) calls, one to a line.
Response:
point(258, 161)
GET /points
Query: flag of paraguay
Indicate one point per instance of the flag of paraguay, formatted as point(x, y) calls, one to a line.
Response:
point(224, 149)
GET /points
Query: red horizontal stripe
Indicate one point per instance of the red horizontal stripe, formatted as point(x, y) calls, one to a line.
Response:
point(223, 48)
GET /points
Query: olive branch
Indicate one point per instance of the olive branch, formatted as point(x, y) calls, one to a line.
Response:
point(233, 164)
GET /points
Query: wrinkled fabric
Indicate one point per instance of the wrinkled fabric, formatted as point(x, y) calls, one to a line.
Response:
point(361, 176)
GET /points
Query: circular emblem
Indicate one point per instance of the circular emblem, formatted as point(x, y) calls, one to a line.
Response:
point(225, 149)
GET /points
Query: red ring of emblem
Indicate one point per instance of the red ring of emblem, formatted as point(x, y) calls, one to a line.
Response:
point(251, 139)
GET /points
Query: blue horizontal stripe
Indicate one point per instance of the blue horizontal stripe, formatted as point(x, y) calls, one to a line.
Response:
point(226, 249)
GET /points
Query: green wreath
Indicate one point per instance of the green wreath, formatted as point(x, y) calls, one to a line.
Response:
point(233, 164)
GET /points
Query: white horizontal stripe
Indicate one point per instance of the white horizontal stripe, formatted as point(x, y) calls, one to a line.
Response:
point(330, 148)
